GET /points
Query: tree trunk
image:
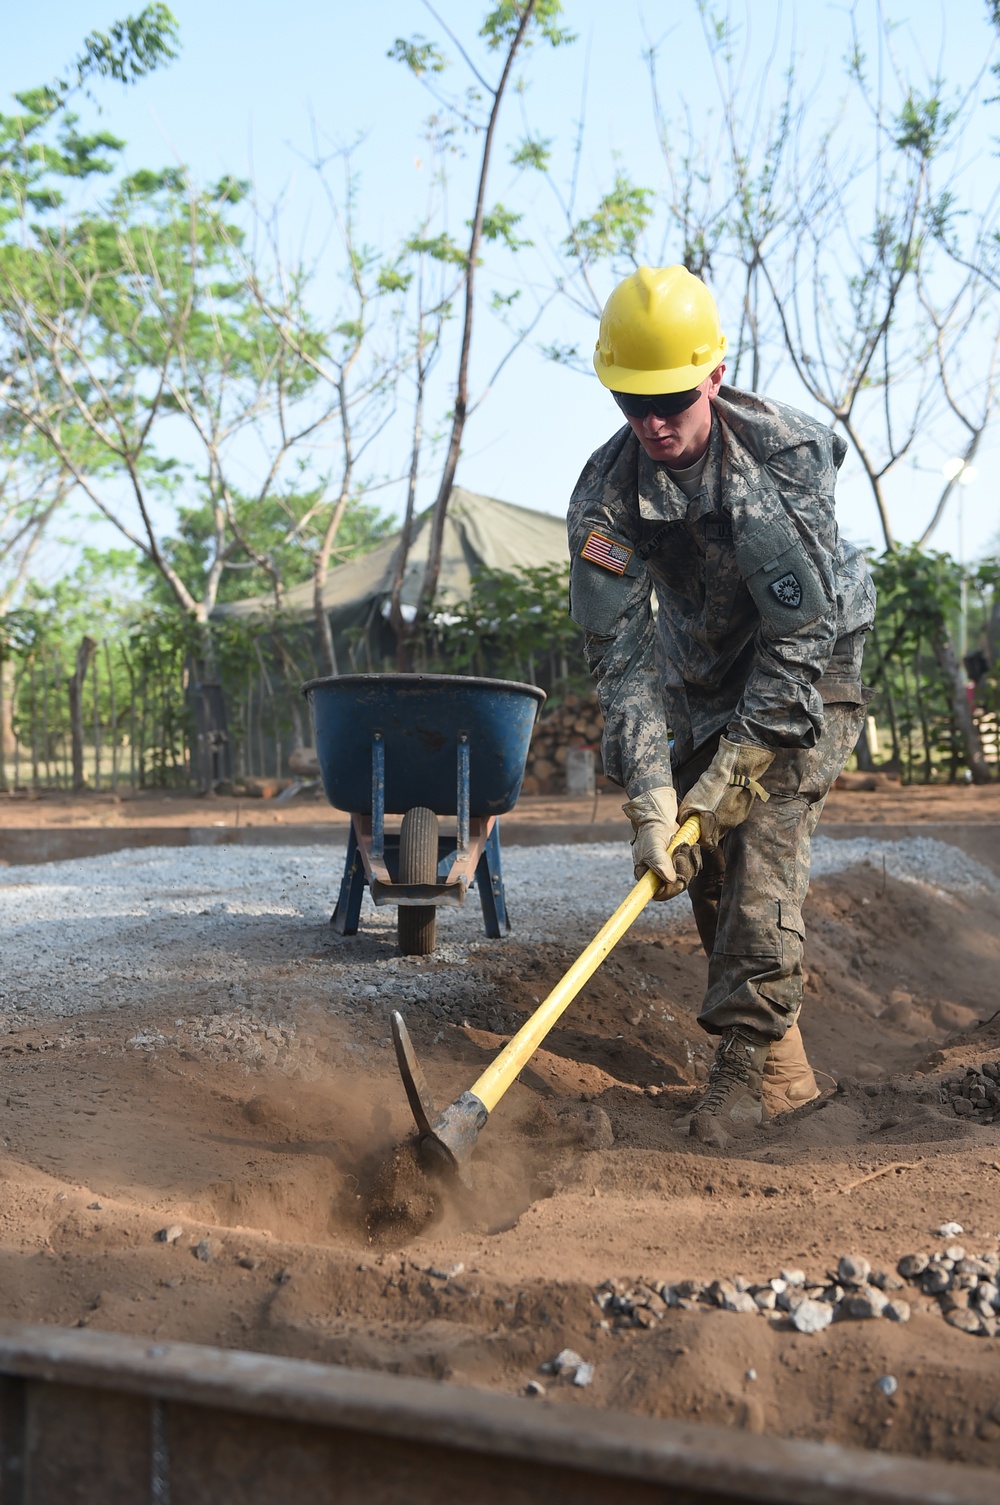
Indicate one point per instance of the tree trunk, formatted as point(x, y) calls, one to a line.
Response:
point(460, 408)
point(954, 677)
point(75, 687)
point(6, 718)
point(327, 652)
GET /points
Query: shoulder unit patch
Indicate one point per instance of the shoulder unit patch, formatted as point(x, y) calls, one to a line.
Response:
point(605, 552)
point(787, 590)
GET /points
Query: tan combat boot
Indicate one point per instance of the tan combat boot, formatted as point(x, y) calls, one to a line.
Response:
point(789, 1082)
point(733, 1101)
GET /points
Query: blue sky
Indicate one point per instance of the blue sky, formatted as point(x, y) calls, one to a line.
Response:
point(255, 81)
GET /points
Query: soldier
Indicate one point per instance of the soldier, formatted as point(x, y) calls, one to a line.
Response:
point(724, 621)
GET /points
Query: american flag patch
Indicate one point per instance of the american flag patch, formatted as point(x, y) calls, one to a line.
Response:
point(605, 552)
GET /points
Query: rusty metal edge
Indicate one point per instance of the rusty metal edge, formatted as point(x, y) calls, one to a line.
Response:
point(681, 1455)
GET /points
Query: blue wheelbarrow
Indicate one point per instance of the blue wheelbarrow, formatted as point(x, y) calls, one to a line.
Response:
point(423, 746)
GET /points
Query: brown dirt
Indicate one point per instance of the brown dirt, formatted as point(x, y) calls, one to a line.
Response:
point(893, 802)
point(579, 1177)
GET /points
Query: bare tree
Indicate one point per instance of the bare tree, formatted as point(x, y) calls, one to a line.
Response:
point(507, 29)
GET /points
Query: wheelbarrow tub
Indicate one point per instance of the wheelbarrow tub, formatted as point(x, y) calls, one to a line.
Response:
point(421, 719)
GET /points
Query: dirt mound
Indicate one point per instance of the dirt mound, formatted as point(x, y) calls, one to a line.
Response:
point(308, 1228)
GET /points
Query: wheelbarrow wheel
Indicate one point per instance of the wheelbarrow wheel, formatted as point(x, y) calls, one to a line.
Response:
point(418, 862)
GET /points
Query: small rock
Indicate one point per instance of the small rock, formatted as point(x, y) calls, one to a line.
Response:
point(534, 1387)
point(794, 1277)
point(168, 1235)
point(965, 1320)
point(888, 1384)
point(204, 1251)
point(751, 1374)
point(812, 1316)
point(283, 1277)
point(766, 1300)
point(955, 1253)
point(863, 1303)
point(950, 1230)
point(980, 1267)
point(853, 1269)
point(963, 1107)
point(584, 1375)
point(93, 1206)
point(448, 1274)
point(885, 1282)
point(896, 1310)
point(912, 1265)
point(935, 1279)
point(249, 1262)
point(566, 1358)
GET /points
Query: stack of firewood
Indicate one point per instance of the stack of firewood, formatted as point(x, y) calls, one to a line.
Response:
point(575, 722)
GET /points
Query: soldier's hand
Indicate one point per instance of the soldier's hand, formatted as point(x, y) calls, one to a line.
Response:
point(723, 797)
point(654, 821)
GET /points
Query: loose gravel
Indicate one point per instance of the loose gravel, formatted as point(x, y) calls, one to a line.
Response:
point(148, 924)
point(962, 1287)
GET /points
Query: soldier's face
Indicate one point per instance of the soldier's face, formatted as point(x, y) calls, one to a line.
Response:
point(681, 439)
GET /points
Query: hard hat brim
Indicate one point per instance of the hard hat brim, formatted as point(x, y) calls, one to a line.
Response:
point(650, 383)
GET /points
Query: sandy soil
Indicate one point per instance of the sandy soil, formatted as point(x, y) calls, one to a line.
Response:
point(261, 1163)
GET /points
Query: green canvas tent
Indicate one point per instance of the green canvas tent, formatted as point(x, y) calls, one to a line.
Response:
point(480, 532)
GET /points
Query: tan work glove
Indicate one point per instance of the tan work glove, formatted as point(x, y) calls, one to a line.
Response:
point(724, 795)
point(654, 822)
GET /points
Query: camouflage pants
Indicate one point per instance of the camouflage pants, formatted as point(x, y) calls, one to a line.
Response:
point(747, 899)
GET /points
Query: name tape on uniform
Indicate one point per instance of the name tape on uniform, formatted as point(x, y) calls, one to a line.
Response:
point(605, 552)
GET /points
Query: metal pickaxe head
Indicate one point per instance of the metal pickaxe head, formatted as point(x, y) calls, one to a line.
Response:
point(446, 1138)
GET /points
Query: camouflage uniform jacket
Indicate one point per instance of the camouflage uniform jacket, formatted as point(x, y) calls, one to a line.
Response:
point(760, 607)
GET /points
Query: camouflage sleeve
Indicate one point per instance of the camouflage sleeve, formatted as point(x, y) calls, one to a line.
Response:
point(788, 562)
point(610, 598)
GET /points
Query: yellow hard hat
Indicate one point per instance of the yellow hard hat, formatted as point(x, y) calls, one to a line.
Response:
point(659, 333)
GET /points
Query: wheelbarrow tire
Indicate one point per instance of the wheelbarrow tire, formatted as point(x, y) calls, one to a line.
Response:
point(418, 862)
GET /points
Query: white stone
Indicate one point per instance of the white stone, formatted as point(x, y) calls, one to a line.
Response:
point(812, 1316)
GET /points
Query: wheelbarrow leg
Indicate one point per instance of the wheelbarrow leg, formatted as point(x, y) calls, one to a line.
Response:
point(489, 881)
point(352, 890)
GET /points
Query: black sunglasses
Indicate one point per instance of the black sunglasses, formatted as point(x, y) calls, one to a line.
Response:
point(663, 405)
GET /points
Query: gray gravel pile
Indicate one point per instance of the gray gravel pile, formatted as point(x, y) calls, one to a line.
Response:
point(916, 859)
point(146, 925)
point(977, 1093)
point(964, 1288)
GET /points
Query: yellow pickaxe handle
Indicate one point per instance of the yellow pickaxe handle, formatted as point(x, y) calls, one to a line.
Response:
point(501, 1071)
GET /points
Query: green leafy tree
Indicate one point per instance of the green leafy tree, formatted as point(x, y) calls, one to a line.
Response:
point(912, 660)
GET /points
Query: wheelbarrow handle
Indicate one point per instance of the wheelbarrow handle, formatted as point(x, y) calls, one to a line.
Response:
point(502, 1070)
